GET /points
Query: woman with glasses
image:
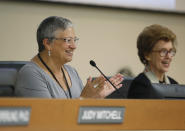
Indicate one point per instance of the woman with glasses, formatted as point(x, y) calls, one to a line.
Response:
point(156, 48)
point(47, 75)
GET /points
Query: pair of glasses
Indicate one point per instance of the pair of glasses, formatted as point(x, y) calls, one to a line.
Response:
point(164, 52)
point(68, 40)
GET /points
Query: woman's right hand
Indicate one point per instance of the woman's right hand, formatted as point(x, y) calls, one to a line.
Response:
point(93, 88)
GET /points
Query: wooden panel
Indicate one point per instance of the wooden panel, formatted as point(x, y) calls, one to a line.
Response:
point(59, 114)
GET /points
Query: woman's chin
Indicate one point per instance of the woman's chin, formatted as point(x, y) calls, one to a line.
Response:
point(69, 59)
point(165, 70)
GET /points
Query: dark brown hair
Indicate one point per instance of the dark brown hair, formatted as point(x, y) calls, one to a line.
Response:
point(148, 38)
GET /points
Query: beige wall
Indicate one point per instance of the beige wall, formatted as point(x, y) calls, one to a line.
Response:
point(180, 5)
point(107, 35)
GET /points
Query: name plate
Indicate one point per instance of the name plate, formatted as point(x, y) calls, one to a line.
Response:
point(101, 115)
point(14, 115)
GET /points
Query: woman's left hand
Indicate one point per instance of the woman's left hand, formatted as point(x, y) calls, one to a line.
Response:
point(108, 88)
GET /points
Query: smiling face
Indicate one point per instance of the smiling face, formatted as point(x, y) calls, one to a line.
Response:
point(157, 63)
point(63, 45)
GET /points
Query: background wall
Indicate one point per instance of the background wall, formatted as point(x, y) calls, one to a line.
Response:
point(107, 35)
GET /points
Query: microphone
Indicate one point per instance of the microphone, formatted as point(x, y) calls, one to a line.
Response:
point(94, 65)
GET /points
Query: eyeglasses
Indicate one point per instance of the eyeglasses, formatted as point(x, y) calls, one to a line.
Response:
point(68, 40)
point(164, 52)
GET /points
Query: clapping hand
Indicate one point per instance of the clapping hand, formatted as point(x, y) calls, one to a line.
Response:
point(108, 88)
point(93, 87)
point(100, 88)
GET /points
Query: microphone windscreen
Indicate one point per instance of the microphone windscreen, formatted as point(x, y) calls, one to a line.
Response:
point(92, 63)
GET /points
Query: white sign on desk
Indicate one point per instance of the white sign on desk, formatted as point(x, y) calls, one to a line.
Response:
point(14, 116)
point(101, 115)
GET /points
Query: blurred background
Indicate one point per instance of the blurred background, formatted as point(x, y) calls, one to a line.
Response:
point(107, 29)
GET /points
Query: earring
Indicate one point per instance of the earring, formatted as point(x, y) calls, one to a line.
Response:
point(49, 53)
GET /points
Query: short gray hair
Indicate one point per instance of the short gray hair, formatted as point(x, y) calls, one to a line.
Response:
point(49, 26)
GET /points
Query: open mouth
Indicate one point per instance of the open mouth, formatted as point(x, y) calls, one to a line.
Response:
point(69, 52)
point(165, 63)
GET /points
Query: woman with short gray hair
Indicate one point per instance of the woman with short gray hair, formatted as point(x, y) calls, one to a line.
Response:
point(47, 75)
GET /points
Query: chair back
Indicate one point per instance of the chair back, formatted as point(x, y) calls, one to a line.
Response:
point(8, 74)
point(123, 91)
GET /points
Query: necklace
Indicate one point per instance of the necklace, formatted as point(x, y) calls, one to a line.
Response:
point(56, 78)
